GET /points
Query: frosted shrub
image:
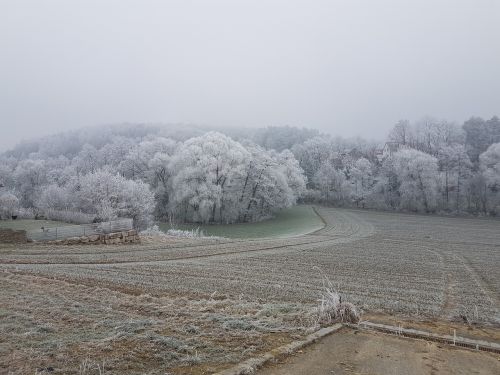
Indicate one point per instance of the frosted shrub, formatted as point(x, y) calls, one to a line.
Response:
point(193, 233)
point(8, 205)
point(153, 231)
point(332, 309)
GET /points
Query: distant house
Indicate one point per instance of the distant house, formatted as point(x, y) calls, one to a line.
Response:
point(389, 149)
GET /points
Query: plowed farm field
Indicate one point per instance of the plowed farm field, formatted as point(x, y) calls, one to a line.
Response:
point(196, 306)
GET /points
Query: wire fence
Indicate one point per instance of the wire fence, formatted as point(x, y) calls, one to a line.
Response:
point(68, 231)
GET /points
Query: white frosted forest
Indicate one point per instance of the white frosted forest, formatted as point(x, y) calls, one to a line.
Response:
point(187, 174)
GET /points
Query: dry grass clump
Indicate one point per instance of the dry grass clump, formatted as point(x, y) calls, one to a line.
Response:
point(88, 367)
point(332, 309)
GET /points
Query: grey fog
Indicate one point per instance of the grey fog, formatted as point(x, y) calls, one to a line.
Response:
point(268, 187)
point(347, 68)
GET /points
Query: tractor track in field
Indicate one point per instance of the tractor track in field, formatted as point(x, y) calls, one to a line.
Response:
point(291, 247)
point(481, 285)
point(349, 228)
point(451, 301)
point(262, 249)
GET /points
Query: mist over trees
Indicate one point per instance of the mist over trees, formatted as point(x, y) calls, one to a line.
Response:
point(189, 174)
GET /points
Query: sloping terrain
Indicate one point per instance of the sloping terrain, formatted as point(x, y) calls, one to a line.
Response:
point(198, 305)
point(293, 221)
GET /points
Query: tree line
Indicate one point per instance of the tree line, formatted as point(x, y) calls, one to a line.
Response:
point(428, 166)
point(188, 174)
point(209, 178)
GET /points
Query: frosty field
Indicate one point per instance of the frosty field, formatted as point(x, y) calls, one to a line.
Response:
point(292, 221)
point(193, 306)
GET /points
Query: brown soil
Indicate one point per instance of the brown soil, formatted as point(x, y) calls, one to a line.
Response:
point(360, 352)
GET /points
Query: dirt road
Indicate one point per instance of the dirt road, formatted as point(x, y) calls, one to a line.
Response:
point(355, 352)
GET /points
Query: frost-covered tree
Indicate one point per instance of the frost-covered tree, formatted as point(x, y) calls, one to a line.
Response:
point(159, 175)
point(313, 154)
point(8, 205)
point(7, 166)
point(332, 184)
point(109, 196)
point(58, 169)
point(269, 182)
point(480, 134)
point(418, 176)
point(477, 194)
point(216, 179)
point(456, 169)
point(402, 133)
point(137, 202)
point(280, 138)
point(294, 174)
point(385, 191)
point(87, 160)
point(257, 175)
point(200, 176)
point(29, 177)
point(206, 171)
point(489, 163)
point(113, 153)
point(361, 181)
point(427, 135)
point(135, 165)
point(54, 197)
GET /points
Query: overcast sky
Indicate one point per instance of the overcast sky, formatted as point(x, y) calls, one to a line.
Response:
point(347, 67)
